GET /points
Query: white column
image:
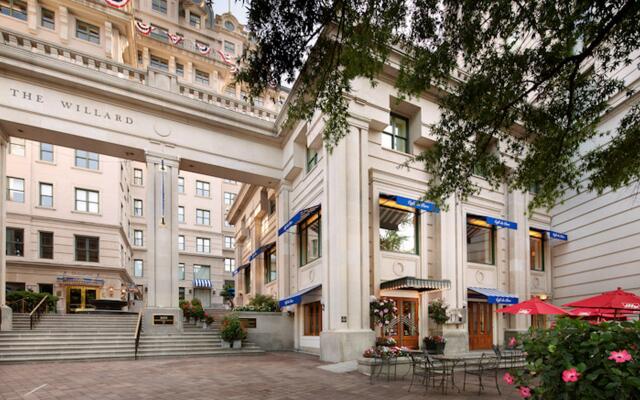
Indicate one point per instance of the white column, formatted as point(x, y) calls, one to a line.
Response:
point(284, 241)
point(518, 255)
point(345, 240)
point(5, 321)
point(63, 20)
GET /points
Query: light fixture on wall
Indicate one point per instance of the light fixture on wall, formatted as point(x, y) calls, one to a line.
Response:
point(110, 290)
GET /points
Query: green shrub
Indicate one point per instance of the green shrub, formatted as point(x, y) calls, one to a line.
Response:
point(260, 303)
point(579, 360)
point(32, 299)
point(232, 329)
point(185, 306)
point(438, 312)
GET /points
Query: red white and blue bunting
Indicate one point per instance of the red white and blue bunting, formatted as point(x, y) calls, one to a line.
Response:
point(144, 28)
point(175, 39)
point(203, 49)
point(117, 3)
point(227, 60)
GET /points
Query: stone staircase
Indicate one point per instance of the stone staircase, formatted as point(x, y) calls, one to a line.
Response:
point(59, 337)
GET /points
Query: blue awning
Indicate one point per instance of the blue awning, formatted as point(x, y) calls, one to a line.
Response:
point(558, 235)
point(260, 250)
point(202, 283)
point(417, 204)
point(495, 296)
point(501, 223)
point(240, 268)
point(300, 215)
point(296, 298)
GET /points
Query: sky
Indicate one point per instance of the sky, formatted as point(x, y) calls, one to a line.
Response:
point(238, 9)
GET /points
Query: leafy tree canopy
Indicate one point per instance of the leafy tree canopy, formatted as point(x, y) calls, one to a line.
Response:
point(538, 77)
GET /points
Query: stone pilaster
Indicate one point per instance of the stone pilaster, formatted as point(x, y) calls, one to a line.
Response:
point(63, 20)
point(32, 15)
point(108, 39)
point(284, 242)
point(518, 253)
point(6, 319)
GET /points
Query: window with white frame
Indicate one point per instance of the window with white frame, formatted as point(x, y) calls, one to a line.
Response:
point(46, 152)
point(17, 146)
point(87, 159)
point(88, 32)
point(180, 214)
point(202, 188)
point(159, 6)
point(229, 264)
point(181, 272)
point(202, 77)
point(203, 245)
point(229, 198)
point(138, 268)
point(47, 19)
point(87, 201)
point(229, 242)
point(195, 20)
point(137, 176)
point(46, 195)
point(203, 217)
point(181, 243)
point(138, 238)
point(180, 184)
point(229, 48)
point(137, 207)
point(14, 8)
point(15, 189)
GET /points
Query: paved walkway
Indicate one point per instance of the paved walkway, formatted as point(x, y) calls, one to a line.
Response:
point(281, 376)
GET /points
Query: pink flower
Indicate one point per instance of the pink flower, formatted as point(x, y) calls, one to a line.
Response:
point(513, 341)
point(508, 378)
point(525, 392)
point(570, 375)
point(620, 356)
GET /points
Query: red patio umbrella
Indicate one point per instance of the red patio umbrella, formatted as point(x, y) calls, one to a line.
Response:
point(534, 306)
point(596, 312)
point(617, 301)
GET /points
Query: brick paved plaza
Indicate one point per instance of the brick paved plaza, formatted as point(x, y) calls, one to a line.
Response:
point(282, 376)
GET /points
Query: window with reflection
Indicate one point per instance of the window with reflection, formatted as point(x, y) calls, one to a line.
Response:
point(536, 250)
point(480, 241)
point(398, 226)
point(270, 265)
point(309, 234)
point(396, 135)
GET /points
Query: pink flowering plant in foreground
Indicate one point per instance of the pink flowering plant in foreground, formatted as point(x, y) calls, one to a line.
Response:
point(579, 360)
point(383, 311)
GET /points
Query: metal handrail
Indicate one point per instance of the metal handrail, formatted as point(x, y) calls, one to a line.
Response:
point(37, 312)
point(137, 335)
point(23, 303)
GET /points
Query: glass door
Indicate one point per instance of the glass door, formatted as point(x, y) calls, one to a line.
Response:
point(74, 299)
point(404, 328)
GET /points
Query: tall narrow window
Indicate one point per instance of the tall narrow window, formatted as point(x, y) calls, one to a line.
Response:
point(17, 146)
point(180, 214)
point(180, 184)
point(271, 265)
point(202, 188)
point(137, 207)
point(15, 189)
point(480, 241)
point(46, 195)
point(181, 272)
point(48, 19)
point(247, 280)
point(137, 177)
point(46, 152)
point(87, 201)
point(46, 245)
point(138, 268)
point(195, 20)
point(181, 243)
point(229, 264)
point(179, 69)
point(309, 236)
point(313, 319)
point(312, 158)
point(396, 135)
point(398, 227)
point(203, 245)
point(15, 242)
point(87, 248)
point(87, 159)
point(88, 32)
point(181, 293)
point(536, 249)
point(229, 48)
point(203, 217)
point(14, 8)
point(138, 238)
point(159, 6)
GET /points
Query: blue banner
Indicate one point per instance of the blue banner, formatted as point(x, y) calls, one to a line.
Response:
point(502, 223)
point(417, 204)
point(299, 216)
point(558, 235)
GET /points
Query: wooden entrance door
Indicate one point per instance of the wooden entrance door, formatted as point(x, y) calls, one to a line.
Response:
point(480, 326)
point(404, 329)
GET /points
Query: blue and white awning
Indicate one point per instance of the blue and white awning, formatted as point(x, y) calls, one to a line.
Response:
point(260, 250)
point(296, 298)
point(501, 223)
point(202, 283)
point(417, 204)
point(240, 268)
point(300, 215)
point(558, 235)
point(495, 296)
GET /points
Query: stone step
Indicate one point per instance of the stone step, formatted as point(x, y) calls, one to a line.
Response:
point(62, 335)
point(219, 352)
point(67, 349)
point(88, 353)
point(70, 345)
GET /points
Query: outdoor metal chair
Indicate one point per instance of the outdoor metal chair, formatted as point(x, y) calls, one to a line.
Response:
point(438, 371)
point(487, 367)
point(390, 362)
point(419, 370)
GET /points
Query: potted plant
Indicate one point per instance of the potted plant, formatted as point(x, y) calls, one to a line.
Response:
point(228, 293)
point(208, 320)
point(435, 344)
point(382, 313)
point(232, 333)
point(197, 312)
point(438, 313)
point(185, 306)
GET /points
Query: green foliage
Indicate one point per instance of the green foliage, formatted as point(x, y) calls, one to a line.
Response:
point(232, 329)
point(185, 306)
point(228, 293)
point(391, 240)
point(260, 303)
point(438, 312)
point(587, 347)
point(31, 300)
point(515, 81)
point(197, 311)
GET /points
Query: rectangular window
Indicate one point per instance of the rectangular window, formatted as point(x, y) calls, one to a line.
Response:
point(229, 242)
point(181, 243)
point(396, 135)
point(138, 268)
point(202, 77)
point(14, 8)
point(201, 271)
point(15, 189)
point(398, 227)
point(45, 288)
point(87, 201)
point(229, 48)
point(46, 195)
point(15, 242)
point(195, 20)
point(159, 6)
point(179, 69)
point(247, 280)
point(309, 236)
point(17, 146)
point(87, 248)
point(536, 248)
point(202, 189)
point(231, 182)
point(46, 152)
point(230, 90)
point(138, 238)
point(181, 293)
point(229, 264)
point(88, 32)
point(137, 207)
point(480, 241)
point(229, 198)
point(180, 214)
point(270, 265)
point(203, 217)
point(313, 319)
point(47, 19)
point(203, 245)
point(157, 62)
point(312, 158)
point(87, 159)
point(181, 272)
point(272, 206)
point(180, 184)
point(46, 245)
point(137, 176)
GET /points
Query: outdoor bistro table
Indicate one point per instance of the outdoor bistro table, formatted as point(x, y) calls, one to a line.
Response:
point(391, 362)
point(451, 361)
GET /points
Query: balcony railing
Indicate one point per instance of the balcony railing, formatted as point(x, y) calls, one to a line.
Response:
point(122, 71)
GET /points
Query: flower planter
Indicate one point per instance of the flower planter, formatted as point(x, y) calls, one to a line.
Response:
point(236, 344)
point(434, 347)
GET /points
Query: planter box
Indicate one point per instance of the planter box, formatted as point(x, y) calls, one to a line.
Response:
point(236, 344)
point(402, 368)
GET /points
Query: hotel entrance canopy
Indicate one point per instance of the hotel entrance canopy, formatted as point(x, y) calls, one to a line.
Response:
point(420, 285)
point(493, 296)
point(296, 298)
